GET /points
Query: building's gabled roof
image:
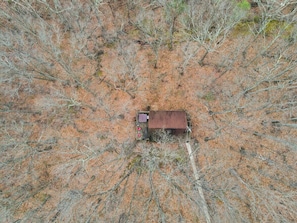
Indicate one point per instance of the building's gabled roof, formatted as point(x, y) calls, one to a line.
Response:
point(167, 120)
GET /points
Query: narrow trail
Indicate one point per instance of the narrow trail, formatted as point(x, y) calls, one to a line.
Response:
point(198, 182)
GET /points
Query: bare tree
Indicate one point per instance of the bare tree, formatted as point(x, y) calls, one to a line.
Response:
point(67, 147)
point(209, 22)
point(152, 32)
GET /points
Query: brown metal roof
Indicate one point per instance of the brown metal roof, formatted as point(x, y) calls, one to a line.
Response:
point(167, 120)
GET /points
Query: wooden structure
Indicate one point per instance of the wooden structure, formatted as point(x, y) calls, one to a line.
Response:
point(174, 122)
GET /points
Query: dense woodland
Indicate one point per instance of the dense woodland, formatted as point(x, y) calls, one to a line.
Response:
point(74, 73)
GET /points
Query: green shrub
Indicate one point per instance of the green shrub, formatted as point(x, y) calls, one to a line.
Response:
point(135, 164)
point(209, 96)
point(275, 26)
point(244, 5)
point(243, 28)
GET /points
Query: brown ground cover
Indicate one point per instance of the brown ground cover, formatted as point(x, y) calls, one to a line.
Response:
point(68, 102)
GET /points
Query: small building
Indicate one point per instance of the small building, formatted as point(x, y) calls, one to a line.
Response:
point(173, 122)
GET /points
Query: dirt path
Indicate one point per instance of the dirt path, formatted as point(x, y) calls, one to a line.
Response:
point(198, 182)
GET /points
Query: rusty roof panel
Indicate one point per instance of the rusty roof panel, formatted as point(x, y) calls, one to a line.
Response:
point(167, 120)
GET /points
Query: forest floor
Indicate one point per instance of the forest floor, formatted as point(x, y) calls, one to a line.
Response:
point(71, 153)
